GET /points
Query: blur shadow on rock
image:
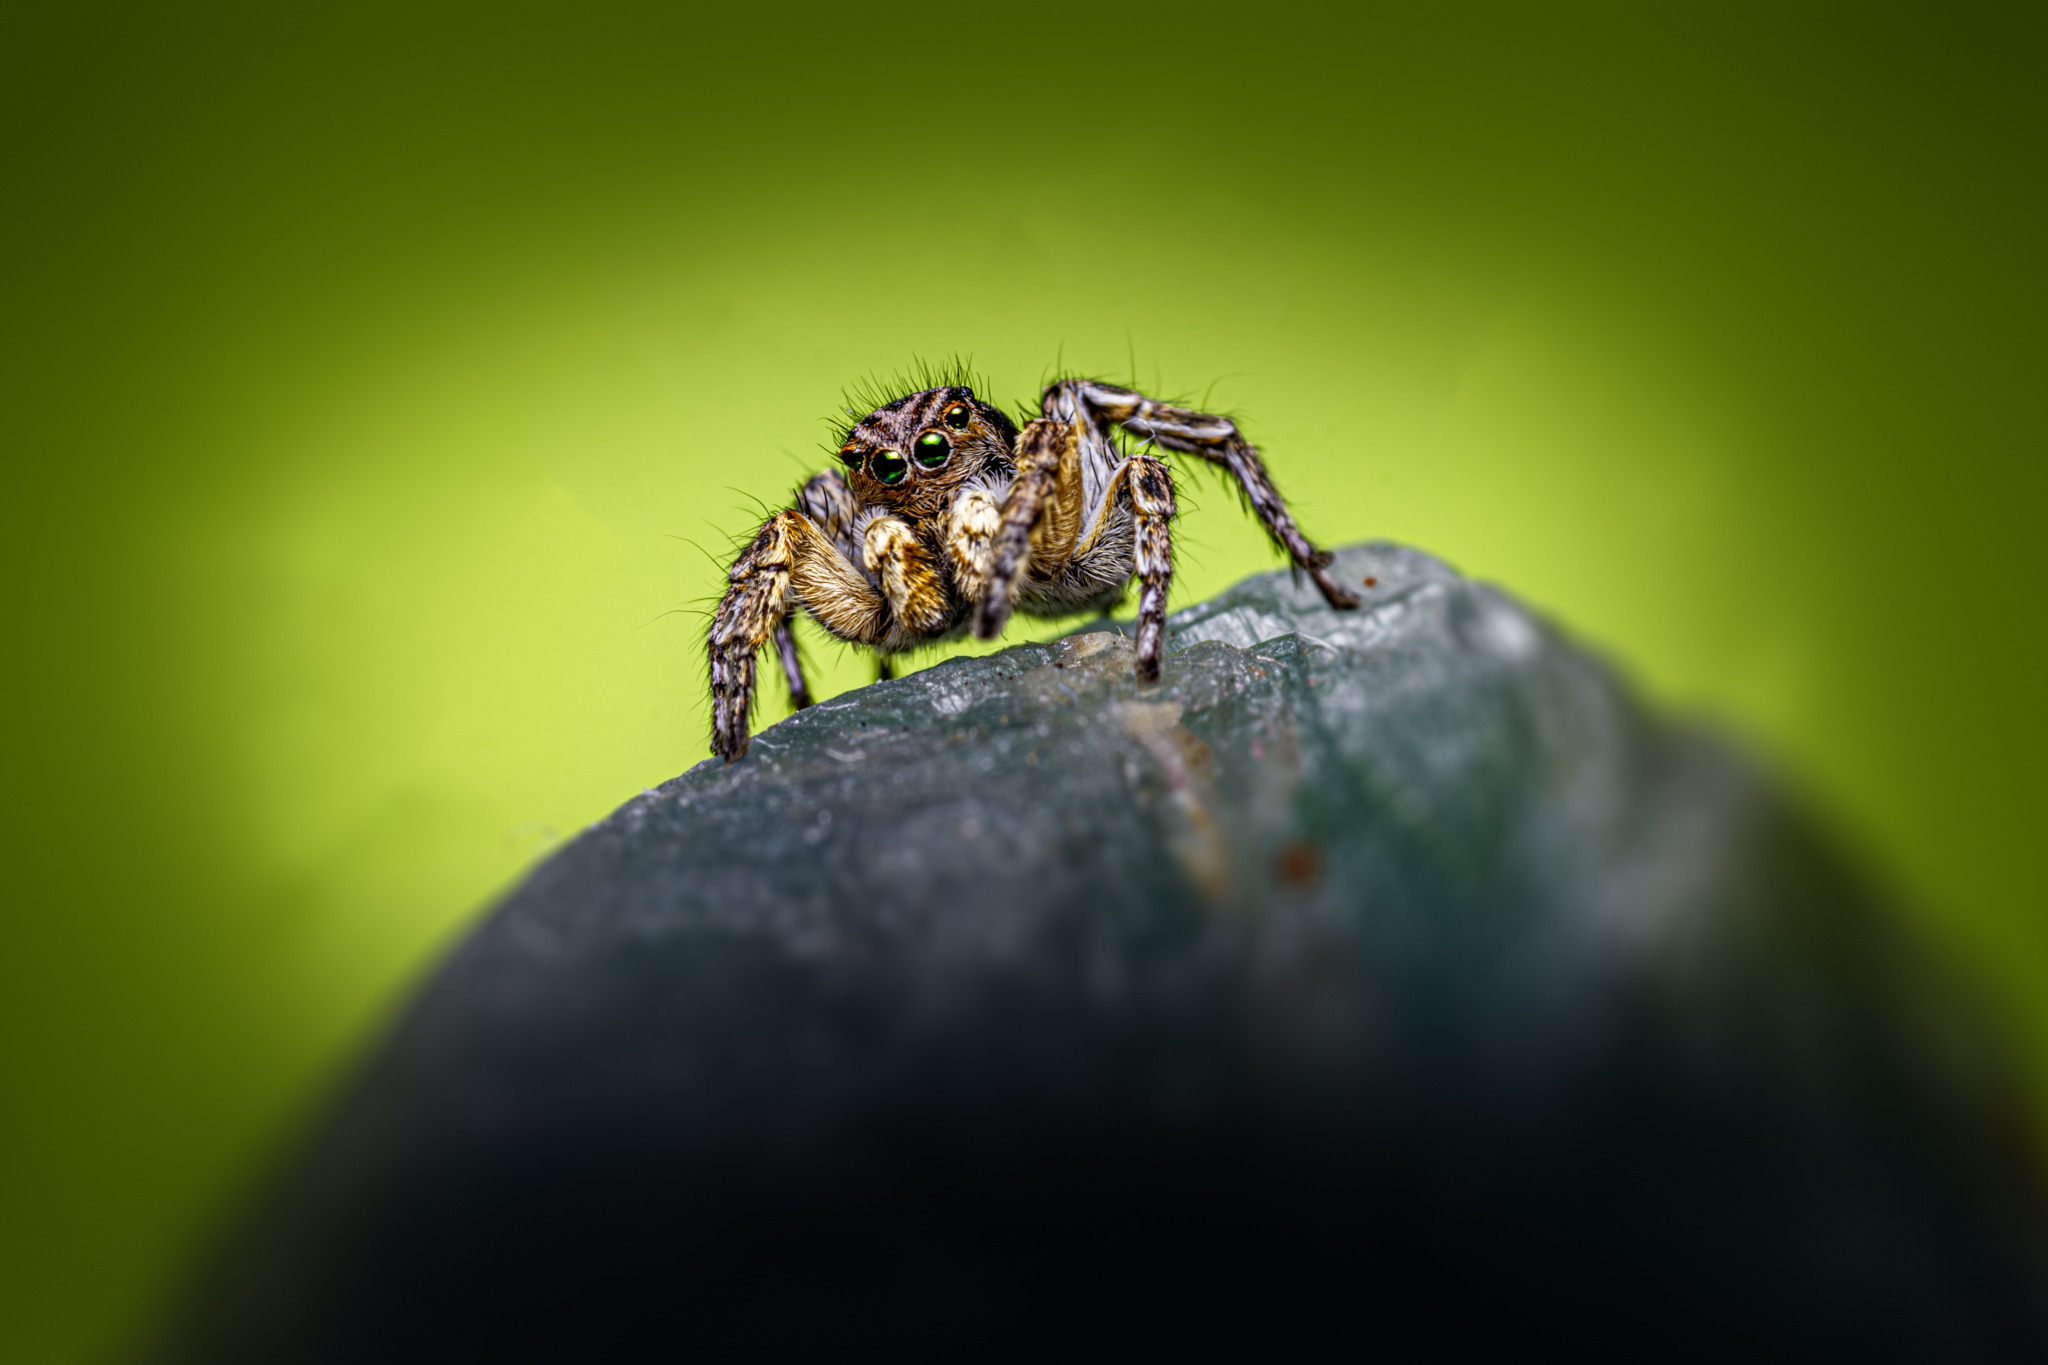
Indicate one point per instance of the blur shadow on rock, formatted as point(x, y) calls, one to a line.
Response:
point(1386, 979)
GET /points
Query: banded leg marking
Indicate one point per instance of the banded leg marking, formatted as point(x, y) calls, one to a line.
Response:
point(1151, 489)
point(789, 562)
point(1209, 437)
point(1047, 452)
point(826, 500)
point(1147, 482)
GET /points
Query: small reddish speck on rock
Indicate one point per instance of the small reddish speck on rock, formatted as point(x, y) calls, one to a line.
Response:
point(1299, 864)
point(1372, 582)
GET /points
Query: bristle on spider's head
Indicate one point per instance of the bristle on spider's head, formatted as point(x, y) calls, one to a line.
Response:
point(878, 391)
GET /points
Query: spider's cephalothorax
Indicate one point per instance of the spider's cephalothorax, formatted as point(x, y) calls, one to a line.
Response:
point(946, 516)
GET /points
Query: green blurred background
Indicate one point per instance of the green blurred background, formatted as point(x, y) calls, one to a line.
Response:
point(374, 374)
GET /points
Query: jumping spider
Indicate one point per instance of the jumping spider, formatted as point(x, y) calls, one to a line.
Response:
point(948, 516)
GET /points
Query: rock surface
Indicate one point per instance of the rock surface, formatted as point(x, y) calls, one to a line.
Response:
point(1389, 976)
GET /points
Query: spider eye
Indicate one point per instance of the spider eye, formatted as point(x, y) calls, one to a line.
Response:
point(958, 416)
point(931, 449)
point(889, 467)
point(849, 455)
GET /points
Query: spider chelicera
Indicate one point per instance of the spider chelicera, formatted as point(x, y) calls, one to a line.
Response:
point(948, 517)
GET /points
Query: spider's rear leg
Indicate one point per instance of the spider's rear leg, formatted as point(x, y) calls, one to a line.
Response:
point(1151, 489)
point(1216, 439)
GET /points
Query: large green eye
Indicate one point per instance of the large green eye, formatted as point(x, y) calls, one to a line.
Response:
point(957, 417)
point(931, 450)
point(888, 466)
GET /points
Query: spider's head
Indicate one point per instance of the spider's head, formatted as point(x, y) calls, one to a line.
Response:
point(914, 451)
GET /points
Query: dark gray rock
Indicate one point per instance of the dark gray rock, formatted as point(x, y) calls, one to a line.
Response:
point(1387, 977)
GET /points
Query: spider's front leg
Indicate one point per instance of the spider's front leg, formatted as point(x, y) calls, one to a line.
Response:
point(1038, 530)
point(1103, 408)
point(1037, 525)
point(1151, 492)
point(791, 561)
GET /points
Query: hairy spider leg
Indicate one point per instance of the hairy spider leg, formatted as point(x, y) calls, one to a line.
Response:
point(1040, 530)
point(826, 500)
point(1147, 484)
point(1152, 507)
point(790, 556)
point(1048, 458)
point(1209, 437)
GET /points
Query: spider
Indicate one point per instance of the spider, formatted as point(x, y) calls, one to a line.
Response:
point(948, 517)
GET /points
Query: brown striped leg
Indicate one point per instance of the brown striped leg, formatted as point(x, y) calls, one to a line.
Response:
point(754, 604)
point(1216, 439)
point(789, 562)
point(826, 500)
point(1146, 485)
point(1045, 450)
point(1151, 488)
